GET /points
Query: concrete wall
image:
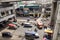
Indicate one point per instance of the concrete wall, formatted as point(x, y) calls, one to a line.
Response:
point(8, 0)
point(57, 20)
point(4, 9)
point(44, 1)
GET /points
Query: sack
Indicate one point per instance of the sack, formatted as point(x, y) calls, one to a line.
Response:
point(6, 34)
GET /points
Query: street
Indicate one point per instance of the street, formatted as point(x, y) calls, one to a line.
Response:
point(20, 32)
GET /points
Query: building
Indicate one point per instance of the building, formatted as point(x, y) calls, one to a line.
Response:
point(7, 10)
point(56, 34)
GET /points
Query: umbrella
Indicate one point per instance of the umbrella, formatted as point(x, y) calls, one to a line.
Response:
point(48, 31)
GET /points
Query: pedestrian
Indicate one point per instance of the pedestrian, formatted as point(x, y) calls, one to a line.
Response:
point(28, 19)
point(35, 30)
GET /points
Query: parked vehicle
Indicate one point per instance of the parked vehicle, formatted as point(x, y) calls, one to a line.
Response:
point(27, 25)
point(12, 26)
point(6, 34)
point(31, 35)
point(12, 23)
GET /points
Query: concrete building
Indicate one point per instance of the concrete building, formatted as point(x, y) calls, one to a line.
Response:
point(56, 34)
point(9, 0)
point(7, 10)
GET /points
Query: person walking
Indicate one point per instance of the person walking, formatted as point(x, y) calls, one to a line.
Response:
point(35, 30)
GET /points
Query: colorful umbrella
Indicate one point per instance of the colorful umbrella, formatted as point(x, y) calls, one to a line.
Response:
point(48, 31)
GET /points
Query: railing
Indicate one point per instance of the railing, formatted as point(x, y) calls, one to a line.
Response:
point(6, 18)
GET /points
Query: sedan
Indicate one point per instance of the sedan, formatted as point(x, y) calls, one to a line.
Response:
point(27, 25)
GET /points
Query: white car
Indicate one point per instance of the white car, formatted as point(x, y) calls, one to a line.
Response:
point(27, 25)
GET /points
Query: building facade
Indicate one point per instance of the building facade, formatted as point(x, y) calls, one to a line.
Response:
point(9, 0)
point(56, 34)
point(7, 10)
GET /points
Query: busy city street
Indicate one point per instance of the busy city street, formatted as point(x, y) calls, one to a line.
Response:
point(29, 19)
point(21, 30)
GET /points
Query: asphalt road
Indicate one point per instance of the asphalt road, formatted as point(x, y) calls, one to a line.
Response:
point(21, 31)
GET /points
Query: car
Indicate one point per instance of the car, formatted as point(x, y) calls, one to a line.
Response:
point(27, 25)
point(31, 35)
point(12, 26)
point(6, 34)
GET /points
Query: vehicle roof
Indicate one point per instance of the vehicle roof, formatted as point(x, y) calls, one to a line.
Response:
point(26, 23)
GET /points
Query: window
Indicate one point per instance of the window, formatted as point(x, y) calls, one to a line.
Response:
point(7, 12)
point(48, 9)
point(11, 11)
point(2, 13)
